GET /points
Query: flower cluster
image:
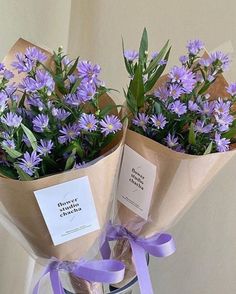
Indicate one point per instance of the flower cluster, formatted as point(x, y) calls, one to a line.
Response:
point(180, 113)
point(52, 121)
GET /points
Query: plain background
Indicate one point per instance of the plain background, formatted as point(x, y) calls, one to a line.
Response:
point(205, 261)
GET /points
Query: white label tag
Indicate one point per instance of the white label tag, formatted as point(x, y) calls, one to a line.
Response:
point(68, 210)
point(136, 182)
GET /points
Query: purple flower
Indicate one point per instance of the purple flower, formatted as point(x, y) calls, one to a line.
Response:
point(183, 59)
point(23, 64)
point(60, 113)
point(3, 101)
point(9, 143)
point(222, 144)
point(171, 141)
point(34, 54)
point(141, 120)
point(159, 121)
point(222, 107)
point(192, 106)
point(72, 78)
point(131, 55)
point(220, 59)
point(29, 163)
point(210, 78)
point(162, 62)
point(28, 84)
point(182, 76)
point(86, 92)
point(88, 72)
point(2, 66)
point(7, 74)
point(178, 107)
point(200, 127)
point(224, 121)
point(207, 108)
point(175, 91)
point(11, 120)
point(66, 60)
point(69, 133)
point(162, 93)
point(194, 46)
point(45, 147)
point(153, 55)
point(40, 123)
point(204, 62)
point(35, 101)
point(88, 122)
point(44, 80)
point(231, 89)
point(110, 124)
point(72, 100)
point(26, 141)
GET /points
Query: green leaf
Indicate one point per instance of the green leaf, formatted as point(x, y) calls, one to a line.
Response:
point(6, 171)
point(154, 63)
point(191, 135)
point(127, 64)
point(59, 83)
point(73, 67)
point(22, 175)
point(131, 103)
point(75, 86)
point(230, 134)
point(157, 107)
point(22, 100)
point(49, 161)
point(11, 152)
point(143, 49)
point(70, 160)
point(30, 136)
point(205, 87)
point(153, 79)
point(137, 86)
point(107, 109)
point(209, 149)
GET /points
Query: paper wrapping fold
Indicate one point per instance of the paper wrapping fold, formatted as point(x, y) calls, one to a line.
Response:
point(19, 206)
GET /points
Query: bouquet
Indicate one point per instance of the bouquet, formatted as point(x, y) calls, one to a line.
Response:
point(181, 133)
point(60, 146)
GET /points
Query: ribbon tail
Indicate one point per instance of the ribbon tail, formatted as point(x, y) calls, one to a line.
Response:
point(105, 249)
point(141, 267)
point(56, 283)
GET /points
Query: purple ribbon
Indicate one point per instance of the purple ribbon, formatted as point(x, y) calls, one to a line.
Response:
point(159, 245)
point(102, 271)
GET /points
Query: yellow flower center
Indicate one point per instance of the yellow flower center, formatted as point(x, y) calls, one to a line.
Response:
point(110, 127)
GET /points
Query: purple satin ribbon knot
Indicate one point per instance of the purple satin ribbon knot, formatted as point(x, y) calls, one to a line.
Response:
point(102, 271)
point(159, 245)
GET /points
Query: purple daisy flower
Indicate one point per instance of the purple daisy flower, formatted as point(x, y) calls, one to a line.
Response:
point(178, 107)
point(183, 59)
point(69, 133)
point(40, 123)
point(154, 54)
point(66, 60)
point(9, 143)
point(44, 80)
point(35, 100)
point(204, 62)
point(45, 147)
point(110, 124)
point(23, 64)
point(88, 72)
point(220, 57)
point(2, 66)
point(29, 85)
point(34, 54)
point(141, 120)
point(88, 122)
point(60, 113)
point(200, 127)
point(131, 55)
point(222, 107)
point(183, 77)
point(11, 120)
point(224, 121)
point(175, 91)
point(222, 144)
point(72, 100)
point(159, 121)
point(194, 46)
point(3, 101)
point(231, 89)
point(171, 141)
point(192, 106)
point(162, 93)
point(7, 74)
point(207, 108)
point(86, 92)
point(29, 164)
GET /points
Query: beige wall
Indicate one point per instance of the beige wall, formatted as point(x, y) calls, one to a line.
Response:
point(205, 261)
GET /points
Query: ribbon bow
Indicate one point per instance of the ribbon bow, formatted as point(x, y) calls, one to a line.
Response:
point(102, 271)
point(159, 245)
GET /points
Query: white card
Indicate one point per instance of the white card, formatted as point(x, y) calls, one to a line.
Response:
point(68, 210)
point(136, 182)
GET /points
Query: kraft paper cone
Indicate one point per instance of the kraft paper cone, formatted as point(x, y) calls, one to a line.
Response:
point(19, 207)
